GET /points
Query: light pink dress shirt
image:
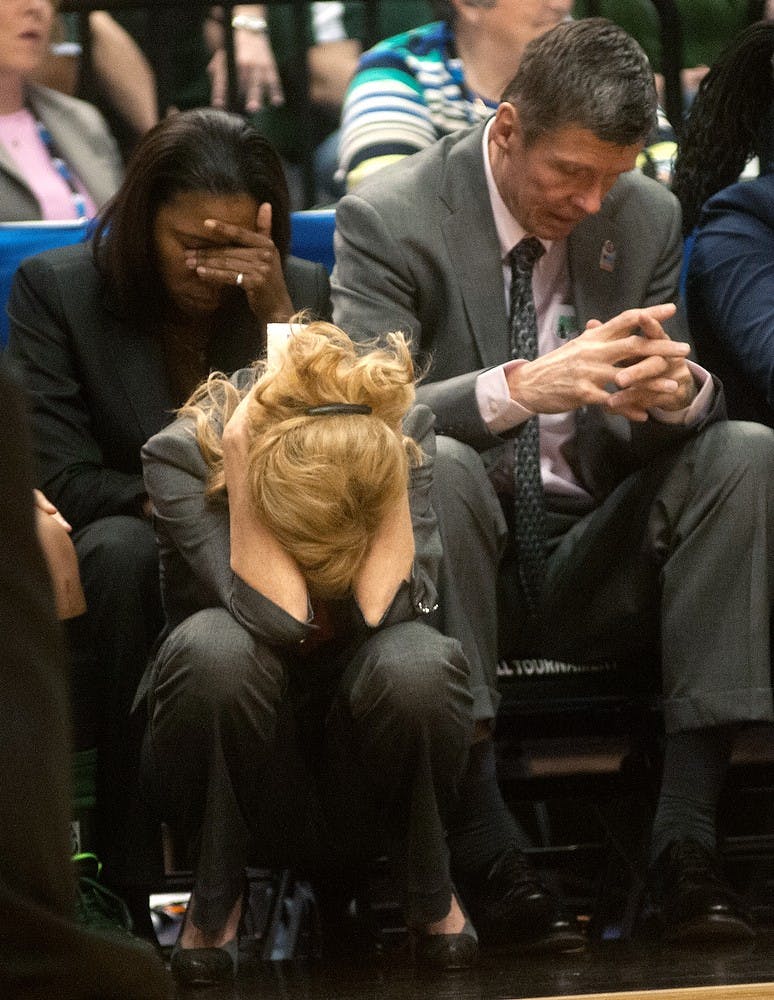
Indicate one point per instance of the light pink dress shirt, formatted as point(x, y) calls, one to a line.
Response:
point(19, 136)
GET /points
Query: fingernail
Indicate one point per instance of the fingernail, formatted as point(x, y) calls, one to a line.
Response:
point(210, 223)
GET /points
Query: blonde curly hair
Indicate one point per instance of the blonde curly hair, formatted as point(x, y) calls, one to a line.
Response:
point(322, 484)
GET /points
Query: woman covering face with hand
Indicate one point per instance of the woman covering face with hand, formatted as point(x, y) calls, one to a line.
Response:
point(301, 711)
point(188, 264)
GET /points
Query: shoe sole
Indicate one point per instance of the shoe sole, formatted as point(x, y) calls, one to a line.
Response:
point(710, 929)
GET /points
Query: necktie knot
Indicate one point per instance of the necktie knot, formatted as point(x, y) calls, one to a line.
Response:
point(525, 254)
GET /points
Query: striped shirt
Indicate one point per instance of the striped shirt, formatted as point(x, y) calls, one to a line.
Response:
point(408, 91)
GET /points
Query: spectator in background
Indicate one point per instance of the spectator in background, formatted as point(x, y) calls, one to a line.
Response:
point(336, 34)
point(43, 952)
point(185, 47)
point(57, 157)
point(730, 281)
point(707, 26)
point(413, 88)
point(121, 82)
point(730, 122)
point(188, 264)
point(730, 295)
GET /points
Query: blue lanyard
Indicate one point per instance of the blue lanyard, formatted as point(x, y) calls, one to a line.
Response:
point(63, 170)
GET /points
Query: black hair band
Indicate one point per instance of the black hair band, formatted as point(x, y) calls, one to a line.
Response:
point(331, 409)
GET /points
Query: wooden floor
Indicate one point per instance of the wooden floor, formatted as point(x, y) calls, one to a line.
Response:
point(610, 970)
point(744, 992)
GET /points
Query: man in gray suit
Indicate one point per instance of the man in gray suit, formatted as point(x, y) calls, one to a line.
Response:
point(651, 530)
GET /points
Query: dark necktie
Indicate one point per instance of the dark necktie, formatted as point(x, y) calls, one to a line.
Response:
point(529, 510)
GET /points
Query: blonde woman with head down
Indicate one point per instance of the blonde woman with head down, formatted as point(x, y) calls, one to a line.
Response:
point(301, 709)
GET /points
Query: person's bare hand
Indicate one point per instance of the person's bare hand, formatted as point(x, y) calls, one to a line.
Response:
point(42, 503)
point(251, 254)
point(258, 78)
point(665, 383)
point(54, 537)
point(630, 353)
point(236, 440)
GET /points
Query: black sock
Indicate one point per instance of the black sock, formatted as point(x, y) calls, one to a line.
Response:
point(695, 765)
point(481, 827)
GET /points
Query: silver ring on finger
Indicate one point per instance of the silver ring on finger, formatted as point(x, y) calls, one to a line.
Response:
point(239, 279)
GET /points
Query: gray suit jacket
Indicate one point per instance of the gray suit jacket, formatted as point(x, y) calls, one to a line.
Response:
point(417, 250)
point(194, 538)
point(81, 137)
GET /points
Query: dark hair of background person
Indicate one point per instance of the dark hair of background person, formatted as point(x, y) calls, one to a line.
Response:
point(588, 73)
point(730, 121)
point(203, 150)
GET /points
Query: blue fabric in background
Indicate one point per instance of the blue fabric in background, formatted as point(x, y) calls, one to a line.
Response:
point(19, 240)
point(311, 235)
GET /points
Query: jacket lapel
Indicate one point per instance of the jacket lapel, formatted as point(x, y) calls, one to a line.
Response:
point(473, 248)
point(138, 362)
point(594, 259)
point(81, 156)
point(8, 165)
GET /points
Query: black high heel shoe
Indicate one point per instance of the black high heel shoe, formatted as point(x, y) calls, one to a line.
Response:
point(204, 966)
point(446, 952)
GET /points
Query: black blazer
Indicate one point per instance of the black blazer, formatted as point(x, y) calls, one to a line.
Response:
point(98, 384)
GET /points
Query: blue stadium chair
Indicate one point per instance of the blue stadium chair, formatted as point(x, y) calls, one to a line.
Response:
point(19, 240)
point(311, 235)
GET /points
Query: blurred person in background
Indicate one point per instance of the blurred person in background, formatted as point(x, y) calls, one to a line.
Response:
point(414, 88)
point(57, 158)
point(43, 951)
point(731, 123)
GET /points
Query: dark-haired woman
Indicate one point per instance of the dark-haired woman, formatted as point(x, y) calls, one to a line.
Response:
point(188, 264)
point(731, 121)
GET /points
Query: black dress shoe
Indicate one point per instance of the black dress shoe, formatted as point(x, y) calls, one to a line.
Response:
point(510, 906)
point(563, 935)
point(696, 901)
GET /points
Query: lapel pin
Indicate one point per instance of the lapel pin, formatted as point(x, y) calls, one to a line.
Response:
point(607, 256)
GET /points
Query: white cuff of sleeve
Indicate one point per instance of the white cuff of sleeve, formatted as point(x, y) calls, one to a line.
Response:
point(499, 412)
point(328, 22)
point(700, 405)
